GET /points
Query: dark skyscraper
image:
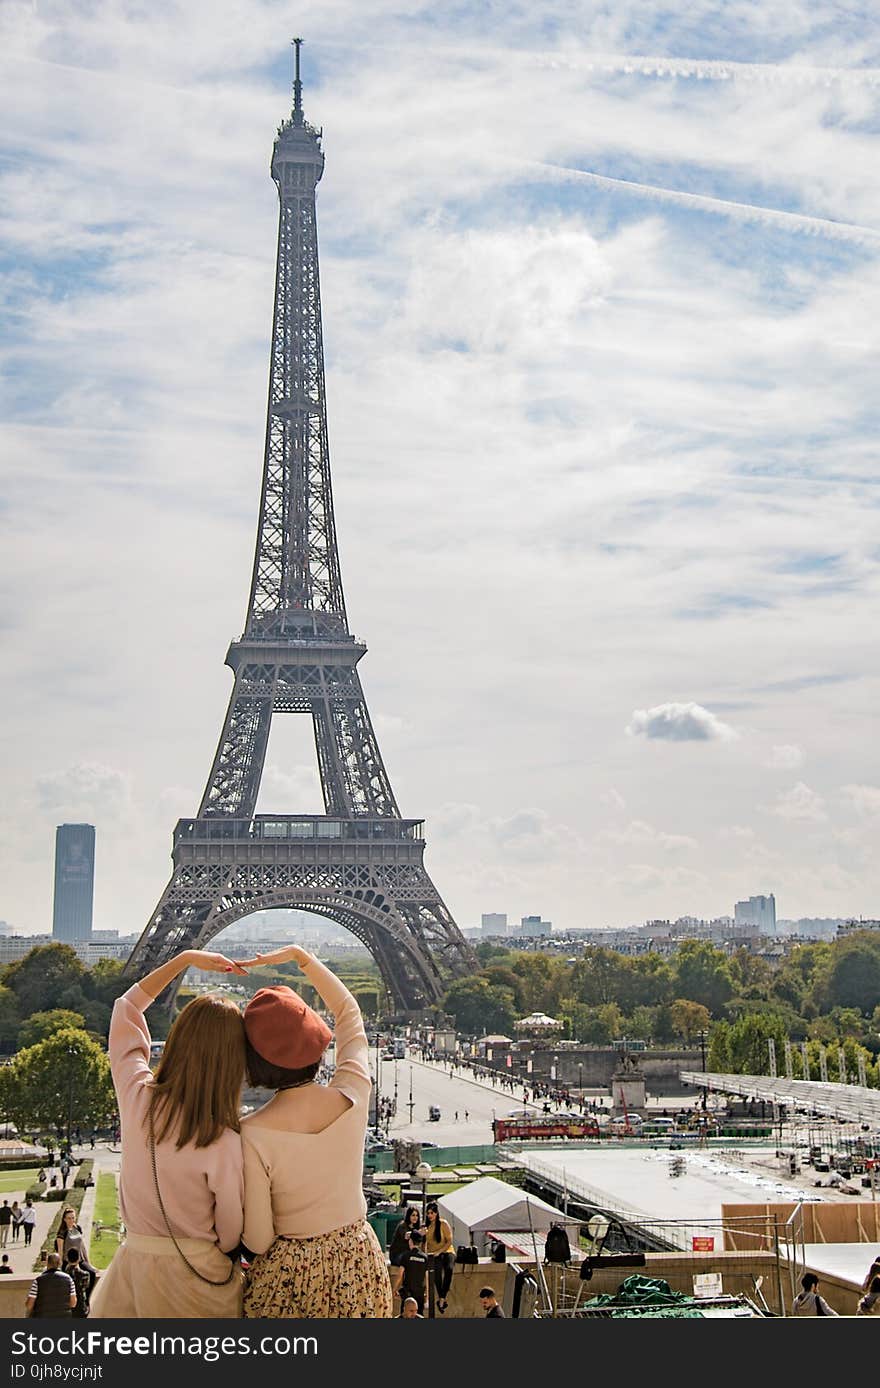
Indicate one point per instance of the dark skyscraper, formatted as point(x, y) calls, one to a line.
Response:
point(74, 882)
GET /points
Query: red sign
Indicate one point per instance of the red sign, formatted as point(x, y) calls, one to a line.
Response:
point(701, 1243)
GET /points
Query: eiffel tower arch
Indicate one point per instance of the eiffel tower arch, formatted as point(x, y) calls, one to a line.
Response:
point(360, 864)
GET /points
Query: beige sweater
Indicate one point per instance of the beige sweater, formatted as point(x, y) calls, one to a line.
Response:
point(305, 1184)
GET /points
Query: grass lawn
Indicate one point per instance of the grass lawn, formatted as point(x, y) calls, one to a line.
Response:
point(17, 1178)
point(106, 1212)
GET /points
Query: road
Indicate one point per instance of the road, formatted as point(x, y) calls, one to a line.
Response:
point(461, 1094)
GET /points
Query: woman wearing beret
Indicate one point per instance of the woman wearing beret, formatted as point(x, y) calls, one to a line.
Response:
point(304, 1208)
point(180, 1183)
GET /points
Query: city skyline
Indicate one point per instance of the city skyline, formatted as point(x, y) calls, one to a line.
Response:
point(603, 446)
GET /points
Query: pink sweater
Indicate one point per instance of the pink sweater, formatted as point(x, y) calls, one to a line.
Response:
point(202, 1187)
point(304, 1184)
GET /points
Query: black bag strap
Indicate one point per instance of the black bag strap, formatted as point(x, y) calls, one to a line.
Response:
point(200, 1275)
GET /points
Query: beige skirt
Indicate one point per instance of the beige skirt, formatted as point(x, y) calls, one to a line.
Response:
point(148, 1278)
point(336, 1276)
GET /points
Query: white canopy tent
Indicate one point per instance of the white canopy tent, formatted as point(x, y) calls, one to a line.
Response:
point(490, 1206)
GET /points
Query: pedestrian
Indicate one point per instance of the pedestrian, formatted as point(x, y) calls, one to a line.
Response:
point(465, 1115)
point(70, 1238)
point(441, 1252)
point(456, 1115)
point(81, 1285)
point(28, 1220)
point(16, 1220)
point(52, 1293)
point(5, 1223)
point(490, 1304)
point(808, 1302)
point(400, 1245)
point(304, 1208)
point(869, 1305)
point(180, 1182)
point(410, 1310)
point(415, 1272)
point(41, 1175)
point(4, 1263)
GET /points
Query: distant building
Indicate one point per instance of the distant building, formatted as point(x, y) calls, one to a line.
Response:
point(530, 926)
point(74, 882)
point(759, 911)
point(493, 923)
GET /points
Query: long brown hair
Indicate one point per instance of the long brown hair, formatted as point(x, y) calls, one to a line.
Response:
point(197, 1087)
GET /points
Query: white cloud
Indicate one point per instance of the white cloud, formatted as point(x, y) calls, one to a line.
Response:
point(679, 723)
point(637, 832)
point(786, 757)
point(864, 799)
point(86, 791)
point(801, 805)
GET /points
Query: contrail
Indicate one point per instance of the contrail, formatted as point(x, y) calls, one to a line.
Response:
point(709, 70)
point(740, 211)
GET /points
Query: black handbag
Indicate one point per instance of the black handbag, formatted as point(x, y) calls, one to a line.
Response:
point(466, 1253)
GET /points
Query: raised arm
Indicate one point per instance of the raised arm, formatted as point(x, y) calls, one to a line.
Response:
point(352, 1074)
point(128, 1043)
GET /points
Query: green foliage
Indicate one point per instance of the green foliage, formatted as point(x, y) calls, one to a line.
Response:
point(43, 977)
point(65, 1076)
point(747, 1043)
point(41, 1025)
point(689, 1018)
point(853, 979)
point(703, 974)
point(718, 1055)
point(479, 1007)
point(10, 1019)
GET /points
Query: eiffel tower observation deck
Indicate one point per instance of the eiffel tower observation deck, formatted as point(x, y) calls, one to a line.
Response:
point(359, 864)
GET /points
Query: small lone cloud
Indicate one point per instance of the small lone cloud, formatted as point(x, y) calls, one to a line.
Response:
point(801, 803)
point(85, 791)
point(786, 757)
point(679, 723)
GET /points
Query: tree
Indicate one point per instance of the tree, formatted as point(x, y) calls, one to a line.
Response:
point(854, 977)
point(719, 1049)
point(41, 1025)
point(9, 1020)
point(46, 977)
point(689, 1018)
point(64, 1079)
point(703, 975)
point(479, 1007)
point(748, 1038)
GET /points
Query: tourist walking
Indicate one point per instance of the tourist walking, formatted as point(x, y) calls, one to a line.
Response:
point(441, 1252)
point(180, 1181)
point(808, 1302)
point(28, 1220)
point(16, 1220)
point(305, 1212)
point(69, 1239)
point(52, 1293)
point(5, 1223)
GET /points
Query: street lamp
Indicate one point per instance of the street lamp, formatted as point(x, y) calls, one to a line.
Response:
point(71, 1053)
point(421, 1173)
point(701, 1037)
point(410, 1105)
point(581, 1083)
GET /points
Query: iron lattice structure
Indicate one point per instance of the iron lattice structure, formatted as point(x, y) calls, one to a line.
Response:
point(360, 864)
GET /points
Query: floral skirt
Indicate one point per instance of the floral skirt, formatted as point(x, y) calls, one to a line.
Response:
point(336, 1276)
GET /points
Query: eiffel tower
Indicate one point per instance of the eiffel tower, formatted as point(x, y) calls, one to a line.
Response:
point(360, 863)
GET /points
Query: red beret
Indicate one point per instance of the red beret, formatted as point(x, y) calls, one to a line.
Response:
point(284, 1030)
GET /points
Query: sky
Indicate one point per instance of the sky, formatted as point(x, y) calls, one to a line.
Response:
point(600, 292)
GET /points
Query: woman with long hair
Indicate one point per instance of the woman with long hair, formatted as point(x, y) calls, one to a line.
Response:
point(180, 1185)
point(69, 1236)
point(400, 1244)
point(315, 1255)
point(441, 1252)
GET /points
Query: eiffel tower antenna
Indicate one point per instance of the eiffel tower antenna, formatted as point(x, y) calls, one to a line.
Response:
point(359, 863)
point(297, 85)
